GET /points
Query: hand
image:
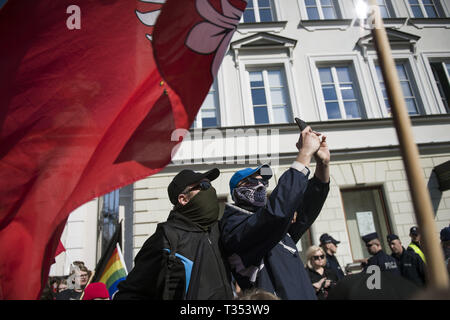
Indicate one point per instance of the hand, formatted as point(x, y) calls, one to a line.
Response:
point(327, 283)
point(308, 142)
point(322, 155)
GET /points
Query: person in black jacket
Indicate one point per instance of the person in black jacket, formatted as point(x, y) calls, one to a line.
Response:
point(260, 235)
point(379, 257)
point(183, 258)
point(322, 278)
point(410, 264)
point(329, 245)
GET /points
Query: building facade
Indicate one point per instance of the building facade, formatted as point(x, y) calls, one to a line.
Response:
point(312, 59)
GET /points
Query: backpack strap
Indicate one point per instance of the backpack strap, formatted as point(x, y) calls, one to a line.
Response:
point(172, 237)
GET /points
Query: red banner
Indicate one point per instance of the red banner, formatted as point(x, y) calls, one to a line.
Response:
point(90, 94)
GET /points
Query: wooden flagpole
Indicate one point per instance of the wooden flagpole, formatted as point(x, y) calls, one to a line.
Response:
point(437, 273)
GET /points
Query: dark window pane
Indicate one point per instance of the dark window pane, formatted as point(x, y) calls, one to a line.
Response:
point(333, 110)
point(329, 92)
point(328, 13)
point(352, 110)
point(249, 15)
point(431, 12)
point(209, 122)
point(417, 12)
point(258, 97)
point(265, 15)
point(261, 115)
point(411, 106)
point(313, 14)
point(347, 91)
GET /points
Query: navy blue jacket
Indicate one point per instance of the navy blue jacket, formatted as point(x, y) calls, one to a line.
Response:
point(411, 267)
point(333, 264)
point(261, 245)
point(385, 262)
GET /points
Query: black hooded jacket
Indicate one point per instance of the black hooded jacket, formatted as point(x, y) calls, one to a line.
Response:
point(195, 271)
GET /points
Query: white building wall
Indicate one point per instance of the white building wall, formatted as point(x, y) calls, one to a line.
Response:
point(79, 238)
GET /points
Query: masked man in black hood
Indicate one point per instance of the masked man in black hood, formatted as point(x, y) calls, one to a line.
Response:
point(183, 259)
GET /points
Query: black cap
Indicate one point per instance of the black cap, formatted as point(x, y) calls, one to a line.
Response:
point(391, 237)
point(187, 177)
point(326, 238)
point(369, 237)
point(414, 231)
point(445, 234)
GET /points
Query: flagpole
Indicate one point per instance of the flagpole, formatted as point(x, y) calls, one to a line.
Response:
point(437, 273)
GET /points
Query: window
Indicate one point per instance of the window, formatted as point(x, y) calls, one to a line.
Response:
point(259, 11)
point(426, 9)
point(269, 96)
point(340, 92)
point(322, 9)
point(386, 8)
point(108, 218)
point(365, 212)
point(441, 73)
point(207, 116)
point(407, 87)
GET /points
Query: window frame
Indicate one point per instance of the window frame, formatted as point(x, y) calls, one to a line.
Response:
point(320, 10)
point(338, 6)
point(439, 8)
point(433, 57)
point(199, 119)
point(412, 73)
point(274, 10)
point(445, 69)
point(267, 88)
point(355, 64)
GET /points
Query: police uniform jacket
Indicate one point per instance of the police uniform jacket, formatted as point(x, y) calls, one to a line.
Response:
point(411, 267)
point(333, 264)
point(384, 261)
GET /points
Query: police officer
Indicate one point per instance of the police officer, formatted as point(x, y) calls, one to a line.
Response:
point(410, 264)
point(414, 246)
point(379, 257)
point(329, 245)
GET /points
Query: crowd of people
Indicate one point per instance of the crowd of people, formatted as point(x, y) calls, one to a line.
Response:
point(251, 252)
point(75, 286)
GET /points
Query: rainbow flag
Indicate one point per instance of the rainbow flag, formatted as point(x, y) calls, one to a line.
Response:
point(111, 268)
point(114, 272)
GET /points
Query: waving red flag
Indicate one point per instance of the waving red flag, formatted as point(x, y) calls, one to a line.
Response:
point(90, 93)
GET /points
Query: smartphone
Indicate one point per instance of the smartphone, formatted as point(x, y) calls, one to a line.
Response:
point(301, 124)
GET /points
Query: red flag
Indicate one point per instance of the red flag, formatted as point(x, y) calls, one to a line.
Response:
point(60, 249)
point(85, 111)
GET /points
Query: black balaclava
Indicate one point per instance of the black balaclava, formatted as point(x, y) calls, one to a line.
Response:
point(202, 209)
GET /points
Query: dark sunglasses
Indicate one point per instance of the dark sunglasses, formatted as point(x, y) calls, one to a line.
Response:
point(321, 257)
point(204, 185)
point(255, 182)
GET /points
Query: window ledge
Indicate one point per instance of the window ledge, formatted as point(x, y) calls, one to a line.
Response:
point(392, 23)
point(421, 23)
point(275, 26)
point(326, 24)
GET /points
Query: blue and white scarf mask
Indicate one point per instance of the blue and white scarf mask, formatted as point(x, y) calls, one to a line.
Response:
point(250, 196)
